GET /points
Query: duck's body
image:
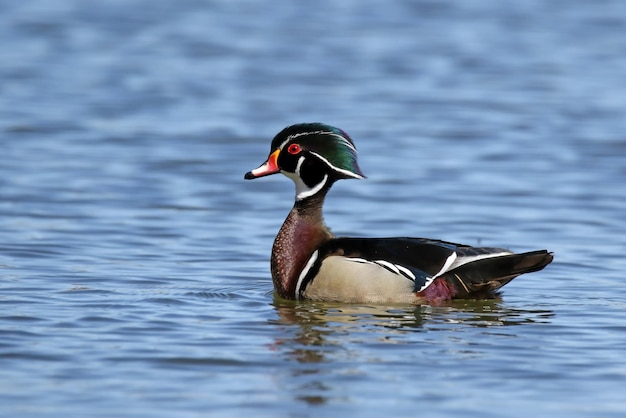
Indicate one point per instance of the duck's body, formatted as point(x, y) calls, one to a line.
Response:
point(308, 262)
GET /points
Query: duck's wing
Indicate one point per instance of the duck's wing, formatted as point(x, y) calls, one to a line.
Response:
point(388, 266)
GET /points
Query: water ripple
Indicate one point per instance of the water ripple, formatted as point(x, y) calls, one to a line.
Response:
point(134, 260)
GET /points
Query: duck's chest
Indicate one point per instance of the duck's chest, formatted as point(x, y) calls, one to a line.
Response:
point(297, 239)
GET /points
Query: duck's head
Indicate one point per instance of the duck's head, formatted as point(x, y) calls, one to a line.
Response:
point(313, 155)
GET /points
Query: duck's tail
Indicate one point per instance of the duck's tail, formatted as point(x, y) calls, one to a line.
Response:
point(482, 278)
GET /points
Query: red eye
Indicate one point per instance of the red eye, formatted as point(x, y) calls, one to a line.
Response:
point(293, 149)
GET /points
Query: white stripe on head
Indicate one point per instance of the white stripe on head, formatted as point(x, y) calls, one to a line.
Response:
point(343, 139)
point(340, 170)
point(299, 134)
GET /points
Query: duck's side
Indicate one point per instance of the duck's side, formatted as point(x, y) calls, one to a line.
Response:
point(395, 270)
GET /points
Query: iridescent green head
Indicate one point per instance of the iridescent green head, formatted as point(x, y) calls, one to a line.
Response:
point(313, 155)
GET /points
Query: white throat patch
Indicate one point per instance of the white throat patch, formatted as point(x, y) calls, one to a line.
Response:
point(302, 190)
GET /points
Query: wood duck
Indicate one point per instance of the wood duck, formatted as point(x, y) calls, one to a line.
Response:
point(309, 262)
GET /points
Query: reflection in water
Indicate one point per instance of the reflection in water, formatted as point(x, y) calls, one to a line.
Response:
point(328, 339)
point(311, 316)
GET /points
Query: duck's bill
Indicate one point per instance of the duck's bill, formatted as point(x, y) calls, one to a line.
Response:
point(267, 168)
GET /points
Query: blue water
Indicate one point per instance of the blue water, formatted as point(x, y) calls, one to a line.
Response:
point(134, 258)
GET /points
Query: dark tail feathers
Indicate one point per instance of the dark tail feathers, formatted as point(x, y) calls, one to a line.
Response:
point(482, 278)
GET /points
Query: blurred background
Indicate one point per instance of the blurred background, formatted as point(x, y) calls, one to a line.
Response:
point(134, 270)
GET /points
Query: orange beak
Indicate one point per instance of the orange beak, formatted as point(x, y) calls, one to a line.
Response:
point(268, 167)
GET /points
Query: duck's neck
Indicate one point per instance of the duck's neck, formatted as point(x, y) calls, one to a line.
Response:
point(302, 233)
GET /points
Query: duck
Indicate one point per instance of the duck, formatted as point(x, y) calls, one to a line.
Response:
point(308, 262)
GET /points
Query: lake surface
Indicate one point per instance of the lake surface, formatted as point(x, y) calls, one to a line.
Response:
point(134, 258)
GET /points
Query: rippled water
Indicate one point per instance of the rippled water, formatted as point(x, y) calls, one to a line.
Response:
point(134, 272)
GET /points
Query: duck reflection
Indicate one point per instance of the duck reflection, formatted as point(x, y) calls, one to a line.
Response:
point(326, 339)
point(317, 319)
